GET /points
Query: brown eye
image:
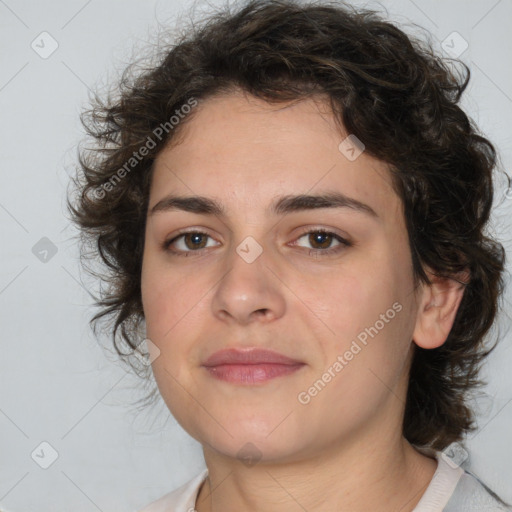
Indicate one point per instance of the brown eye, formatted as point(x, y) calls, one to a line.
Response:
point(195, 240)
point(188, 242)
point(321, 241)
point(324, 240)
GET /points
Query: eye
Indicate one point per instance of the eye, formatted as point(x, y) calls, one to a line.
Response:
point(195, 241)
point(323, 239)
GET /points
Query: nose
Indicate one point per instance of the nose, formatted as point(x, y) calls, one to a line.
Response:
point(249, 291)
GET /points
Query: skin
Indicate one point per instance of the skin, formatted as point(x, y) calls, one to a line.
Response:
point(344, 450)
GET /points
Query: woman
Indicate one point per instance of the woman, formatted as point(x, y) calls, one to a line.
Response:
point(293, 207)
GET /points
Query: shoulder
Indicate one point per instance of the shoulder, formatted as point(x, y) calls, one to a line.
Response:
point(472, 495)
point(182, 499)
point(456, 489)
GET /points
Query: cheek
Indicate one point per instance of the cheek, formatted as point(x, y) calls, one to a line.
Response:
point(169, 320)
point(166, 302)
point(155, 298)
point(163, 291)
point(367, 354)
point(174, 304)
point(369, 318)
point(354, 299)
point(162, 309)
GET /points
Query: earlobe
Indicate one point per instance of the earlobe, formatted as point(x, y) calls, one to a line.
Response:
point(437, 309)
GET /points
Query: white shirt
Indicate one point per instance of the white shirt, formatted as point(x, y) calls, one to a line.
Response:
point(452, 489)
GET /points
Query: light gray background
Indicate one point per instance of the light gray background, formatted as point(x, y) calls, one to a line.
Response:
point(56, 384)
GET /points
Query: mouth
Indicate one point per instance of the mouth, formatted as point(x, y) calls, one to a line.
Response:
point(250, 366)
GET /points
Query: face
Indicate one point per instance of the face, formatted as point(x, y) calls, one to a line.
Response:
point(341, 303)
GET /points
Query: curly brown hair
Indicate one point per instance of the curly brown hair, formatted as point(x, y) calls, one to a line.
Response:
point(389, 89)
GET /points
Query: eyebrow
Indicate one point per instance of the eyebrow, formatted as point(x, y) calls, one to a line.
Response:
point(281, 206)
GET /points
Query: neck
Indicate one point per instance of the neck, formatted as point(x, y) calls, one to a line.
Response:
point(355, 478)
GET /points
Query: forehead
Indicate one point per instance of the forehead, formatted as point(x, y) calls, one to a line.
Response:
point(240, 148)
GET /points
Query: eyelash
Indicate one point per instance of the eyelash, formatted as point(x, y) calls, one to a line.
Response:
point(322, 252)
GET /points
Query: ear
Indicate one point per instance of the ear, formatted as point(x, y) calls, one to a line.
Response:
point(437, 308)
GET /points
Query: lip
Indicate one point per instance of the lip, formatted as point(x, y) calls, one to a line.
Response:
point(250, 366)
point(248, 357)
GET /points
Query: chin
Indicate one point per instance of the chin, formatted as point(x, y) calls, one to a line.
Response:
point(259, 441)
